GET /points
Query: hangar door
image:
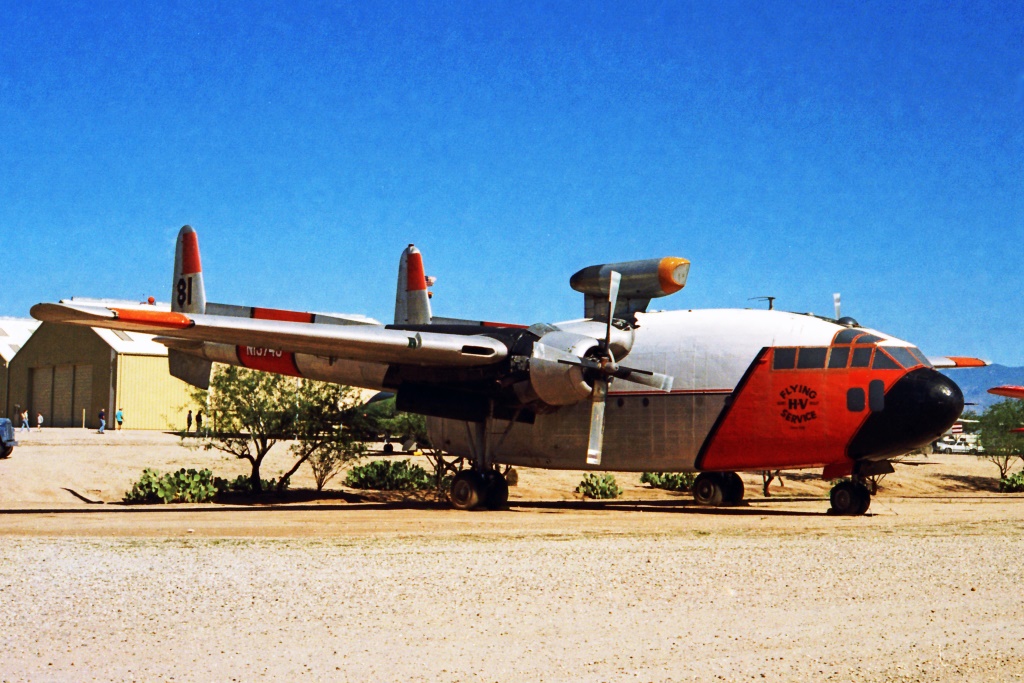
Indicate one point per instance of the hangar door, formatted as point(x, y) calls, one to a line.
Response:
point(61, 393)
point(42, 395)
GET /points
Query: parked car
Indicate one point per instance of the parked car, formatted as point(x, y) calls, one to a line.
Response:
point(7, 442)
point(964, 443)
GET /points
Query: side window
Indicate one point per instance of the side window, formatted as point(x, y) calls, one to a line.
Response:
point(811, 358)
point(883, 362)
point(876, 395)
point(785, 359)
point(855, 400)
point(840, 357)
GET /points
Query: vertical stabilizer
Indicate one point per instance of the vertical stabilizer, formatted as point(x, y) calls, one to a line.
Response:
point(412, 301)
point(188, 294)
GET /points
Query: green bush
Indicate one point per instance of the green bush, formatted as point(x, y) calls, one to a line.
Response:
point(1012, 483)
point(603, 486)
point(387, 475)
point(243, 484)
point(670, 481)
point(183, 486)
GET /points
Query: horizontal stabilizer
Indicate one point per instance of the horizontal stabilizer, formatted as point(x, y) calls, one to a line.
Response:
point(1008, 391)
point(957, 362)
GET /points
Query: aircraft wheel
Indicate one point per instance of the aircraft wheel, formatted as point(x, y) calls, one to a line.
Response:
point(467, 491)
point(496, 497)
point(865, 498)
point(5, 451)
point(732, 489)
point(849, 498)
point(708, 489)
point(388, 449)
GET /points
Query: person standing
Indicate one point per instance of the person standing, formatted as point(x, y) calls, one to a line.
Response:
point(188, 422)
point(103, 421)
point(24, 421)
point(199, 422)
point(39, 422)
point(119, 418)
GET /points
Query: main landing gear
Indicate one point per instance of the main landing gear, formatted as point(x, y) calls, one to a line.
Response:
point(483, 485)
point(850, 497)
point(718, 488)
point(473, 489)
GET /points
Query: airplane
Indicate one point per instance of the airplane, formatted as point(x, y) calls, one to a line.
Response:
point(1009, 392)
point(715, 392)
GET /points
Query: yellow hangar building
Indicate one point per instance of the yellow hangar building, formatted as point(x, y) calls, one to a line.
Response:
point(14, 332)
point(69, 373)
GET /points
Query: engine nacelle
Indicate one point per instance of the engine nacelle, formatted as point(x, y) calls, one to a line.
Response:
point(555, 383)
point(641, 282)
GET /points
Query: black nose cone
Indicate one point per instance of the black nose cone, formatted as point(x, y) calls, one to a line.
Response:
point(918, 409)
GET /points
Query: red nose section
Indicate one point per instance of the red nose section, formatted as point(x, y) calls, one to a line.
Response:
point(416, 281)
point(190, 254)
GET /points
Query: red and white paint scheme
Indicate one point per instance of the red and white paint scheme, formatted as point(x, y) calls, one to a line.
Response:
point(709, 391)
point(1009, 392)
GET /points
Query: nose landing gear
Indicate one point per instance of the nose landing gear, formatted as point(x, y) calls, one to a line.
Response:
point(718, 488)
point(850, 497)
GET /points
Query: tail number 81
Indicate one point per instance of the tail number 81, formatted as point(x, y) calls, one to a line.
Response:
point(184, 291)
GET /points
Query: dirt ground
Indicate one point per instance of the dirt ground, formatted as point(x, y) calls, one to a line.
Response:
point(648, 587)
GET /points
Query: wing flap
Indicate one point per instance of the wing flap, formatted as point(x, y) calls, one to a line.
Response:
point(371, 343)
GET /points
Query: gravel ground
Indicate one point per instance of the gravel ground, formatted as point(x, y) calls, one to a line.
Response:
point(916, 605)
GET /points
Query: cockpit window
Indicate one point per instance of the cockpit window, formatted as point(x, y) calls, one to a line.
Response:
point(812, 358)
point(785, 359)
point(846, 336)
point(861, 357)
point(916, 352)
point(884, 362)
point(903, 356)
point(840, 357)
point(867, 338)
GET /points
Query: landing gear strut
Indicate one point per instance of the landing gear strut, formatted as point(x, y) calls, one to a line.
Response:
point(481, 486)
point(718, 488)
point(850, 497)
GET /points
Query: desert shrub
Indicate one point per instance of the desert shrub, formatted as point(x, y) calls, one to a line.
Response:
point(670, 481)
point(387, 475)
point(243, 484)
point(1013, 483)
point(183, 486)
point(599, 486)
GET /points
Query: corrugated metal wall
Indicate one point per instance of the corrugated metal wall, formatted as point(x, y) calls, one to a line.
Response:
point(82, 399)
point(150, 397)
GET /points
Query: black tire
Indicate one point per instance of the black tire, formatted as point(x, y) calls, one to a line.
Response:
point(865, 498)
point(849, 498)
point(945, 451)
point(496, 496)
point(708, 489)
point(388, 449)
point(732, 488)
point(467, 490)
point(5, 452)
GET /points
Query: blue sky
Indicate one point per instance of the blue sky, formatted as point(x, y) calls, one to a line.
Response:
point(793, 149)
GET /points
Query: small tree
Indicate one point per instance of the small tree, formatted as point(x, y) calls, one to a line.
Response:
point(1002, 447)
point(254, 410)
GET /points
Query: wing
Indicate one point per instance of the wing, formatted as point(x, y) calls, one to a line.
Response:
point(371, 343)
point(1009, 391)
point(957, 362)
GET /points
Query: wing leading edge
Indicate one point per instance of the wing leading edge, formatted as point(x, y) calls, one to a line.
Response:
point(370, 343)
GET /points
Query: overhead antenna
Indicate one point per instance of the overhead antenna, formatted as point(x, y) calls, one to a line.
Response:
point(835, 300)
point(769, 299)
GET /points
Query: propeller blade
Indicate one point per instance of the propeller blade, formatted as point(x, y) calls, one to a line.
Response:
point(655, 380)
point(614, 279)
point(596, 442)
